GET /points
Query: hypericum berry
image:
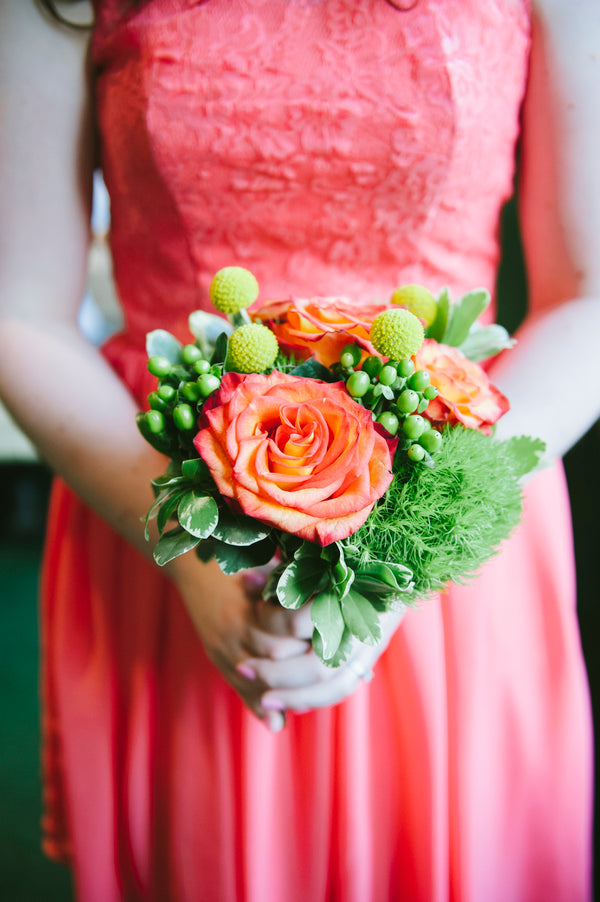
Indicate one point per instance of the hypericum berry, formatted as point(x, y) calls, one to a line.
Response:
point(191, 392)
point(431, 440)
point(388, 375)
point(201, 367)
point(354, 353)
point(156, 402)
point(406, 367)
point(155, 421)
point(397, 333)
point(416, 453)
point(166, 392)
point(190, 354)
point(407, 401)
point(430, 392)
point(207, 384)
point(418, 300)
point(232, 289)
point(389, 421)
point(414, 426)
point(372, 365)
point(419, 380)
point(183, 417)
point(358, 384)
point(252, 349)
point(159, 366)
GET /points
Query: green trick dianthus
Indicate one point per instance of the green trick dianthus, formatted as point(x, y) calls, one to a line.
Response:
point(397, 333)
point(232, 289)
point(252, 349)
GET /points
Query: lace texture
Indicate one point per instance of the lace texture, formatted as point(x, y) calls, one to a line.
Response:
point(330, 146)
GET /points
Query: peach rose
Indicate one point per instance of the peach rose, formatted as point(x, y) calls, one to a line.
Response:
point(466, 395)
point(319, 326)
point(296, 453)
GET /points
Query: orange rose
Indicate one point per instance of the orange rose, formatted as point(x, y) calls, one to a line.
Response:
point(320, 326)
point(296, 453)
point(465, 393)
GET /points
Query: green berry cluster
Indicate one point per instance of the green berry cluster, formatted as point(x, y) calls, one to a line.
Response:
point(171, 422)
point(397, 394)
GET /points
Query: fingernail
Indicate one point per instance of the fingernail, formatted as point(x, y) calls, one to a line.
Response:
point(272, 704)
point(246, 671)
point(276, 723)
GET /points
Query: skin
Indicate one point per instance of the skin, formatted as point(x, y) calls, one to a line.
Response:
point(62, 393)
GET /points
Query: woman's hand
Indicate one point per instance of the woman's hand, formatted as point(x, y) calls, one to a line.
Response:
point(226, 615)
point(304, 682)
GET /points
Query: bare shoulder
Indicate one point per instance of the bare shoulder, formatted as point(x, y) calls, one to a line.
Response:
point(46, 151)
point(561, 176)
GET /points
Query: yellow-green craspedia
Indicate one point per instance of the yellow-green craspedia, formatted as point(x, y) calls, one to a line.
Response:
point(252, 349)
point(233, 288)
point(397, 333)
point(418, 300)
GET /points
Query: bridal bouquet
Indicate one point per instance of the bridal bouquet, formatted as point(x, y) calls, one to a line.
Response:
point(350, 445)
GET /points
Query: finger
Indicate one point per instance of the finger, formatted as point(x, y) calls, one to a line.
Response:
point(260, 644)
point(292, 673)
point(273, 618)
point(318, 695)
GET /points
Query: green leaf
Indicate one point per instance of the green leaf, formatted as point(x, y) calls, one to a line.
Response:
point(525, 453)
point(198, 514)
point(194, 468)
point(312, 369)
point(332, 553)
point(183, 373)
point(238, 529)
point(233, 558)
point(342, 654)
point(206, 328)
point(167, 510)
point(297, 584)
point(153, 511)
point(374, 575)
point(327, 618)
point(438, 327)
point(361, 618)
point(172, 544)
point(160, 342)
point(163, 482)
point(343, 576)
point(309, 551)
point(463, 314)
point(220, 352)
point(160, 441)
point(205, 550)
point(483, 342)
point(402, 574)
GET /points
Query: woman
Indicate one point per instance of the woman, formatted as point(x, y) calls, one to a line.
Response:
point(332, 148)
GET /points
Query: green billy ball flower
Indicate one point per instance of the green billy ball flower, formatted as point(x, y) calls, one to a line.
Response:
point(397, 333)
point(418, 300)
point(232, 289)
point(252, 349)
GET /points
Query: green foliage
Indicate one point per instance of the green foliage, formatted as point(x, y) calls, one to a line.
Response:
point(162, 343)
point(443, 523)
point(463, 314)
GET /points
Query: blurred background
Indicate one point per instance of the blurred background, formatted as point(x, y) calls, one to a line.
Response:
point(25, 874)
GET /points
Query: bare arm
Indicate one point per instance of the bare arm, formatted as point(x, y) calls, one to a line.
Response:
point(553, 375)
point(58, 387)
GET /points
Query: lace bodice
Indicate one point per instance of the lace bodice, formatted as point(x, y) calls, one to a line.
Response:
point(331, 146)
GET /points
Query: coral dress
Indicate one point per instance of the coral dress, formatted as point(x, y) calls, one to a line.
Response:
point(332, 147)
